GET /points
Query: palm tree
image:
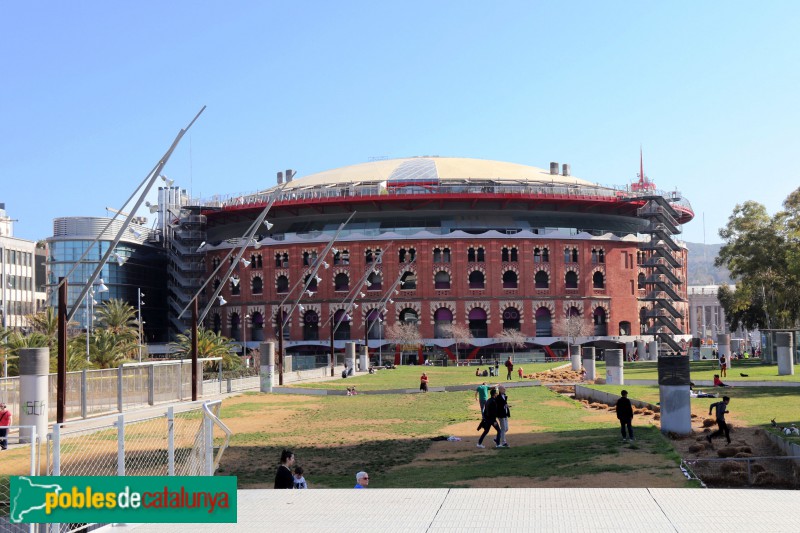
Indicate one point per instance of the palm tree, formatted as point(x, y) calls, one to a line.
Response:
point(45, 322)
point(15, 341)
point(119, 319)
point(209, 344)
point(105, 350)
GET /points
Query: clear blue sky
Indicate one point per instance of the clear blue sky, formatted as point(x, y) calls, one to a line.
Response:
point(92, 93)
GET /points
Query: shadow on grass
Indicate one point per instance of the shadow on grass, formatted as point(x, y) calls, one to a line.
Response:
point(395, 463)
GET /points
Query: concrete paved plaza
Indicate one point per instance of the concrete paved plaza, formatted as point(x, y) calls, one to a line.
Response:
point(457, 510)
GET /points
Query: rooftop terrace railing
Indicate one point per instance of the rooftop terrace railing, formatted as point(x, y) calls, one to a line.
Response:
point(318, 192)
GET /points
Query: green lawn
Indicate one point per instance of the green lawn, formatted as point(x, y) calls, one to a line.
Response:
point(755, 406)
point(705, 370)
point(335, 436)
point(407, 377)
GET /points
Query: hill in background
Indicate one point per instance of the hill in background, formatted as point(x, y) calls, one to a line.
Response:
point(701, 265)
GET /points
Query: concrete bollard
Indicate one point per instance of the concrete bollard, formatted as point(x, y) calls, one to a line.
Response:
point(673, 388)
point(614, 370)
point(287, 362)
point(640, 350)
point(363, 359)
point(589, 364)
point(629, 347)
point(652, 351)
point(350, 356)
point(267, 371)
point(34, 368)
point(785, 361)
point(724, 347)
point(575, 357)
point(695, 349)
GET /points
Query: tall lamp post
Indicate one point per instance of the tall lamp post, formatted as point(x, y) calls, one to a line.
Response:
point(140, 295)
point(244, 337)
point(97, 286)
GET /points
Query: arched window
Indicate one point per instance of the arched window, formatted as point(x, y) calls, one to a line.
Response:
point(471, 254)
point(573, 311)
point(374, 281)
point(409, 316)
point(509, 279)
point(571, 255)
point(599, 321)
point(504, 255)
point(257, 285)
point(342, 332)
point(544, 322)
point(374, 325)
point(406, 255)
point(441, 255)
point(236, 327)
point(481, 255)
point(282, 260)
point(641, 280)
point(216, 284)
point(257, 325)
point(312, 285)
point(477, 323)
point(514, 255)
point(408, 281)
point(341, 257)
point(217, 323)
point(541, 280)
point(341, 282)
point(282, 284)
point(215, 263)
point(476, 280)
point(310, 326)
point(601, 256)
point(594, 256)
point(511, 318)
point(368, 256)
point(598, 280)
point(624, 328)
point(236, 286)
point(442, 318)
point(441, 280)
point(571, 280)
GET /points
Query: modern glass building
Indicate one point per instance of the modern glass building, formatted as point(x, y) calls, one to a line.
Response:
point(138, 263)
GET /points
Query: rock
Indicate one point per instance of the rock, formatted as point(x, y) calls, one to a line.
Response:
point(732, 467)
point(765, 478)
point(656, 416)
point(647, 412)
point(708, 422)
point(695, 448)
point(727, 452)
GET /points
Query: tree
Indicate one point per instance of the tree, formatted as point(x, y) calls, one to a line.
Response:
point(209, 344)
point(406, 336)
point(572, 327)
point(763, 255)
point(45, 322)
point(459, 333)
point(512, 338)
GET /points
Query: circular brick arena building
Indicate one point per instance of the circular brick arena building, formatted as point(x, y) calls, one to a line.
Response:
point(487, 245)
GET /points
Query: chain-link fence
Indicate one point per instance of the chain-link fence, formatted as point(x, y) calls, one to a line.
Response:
point(780, 472)
point(20, 459)
point(176, 442)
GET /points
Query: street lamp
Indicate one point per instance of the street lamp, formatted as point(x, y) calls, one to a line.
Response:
point(140, 295)
point(97, 286)
point(244, 336)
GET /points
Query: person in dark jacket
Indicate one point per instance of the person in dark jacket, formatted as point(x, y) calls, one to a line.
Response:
point(283, 477)
point(503, 412)
point(625, 416)
point(721, 410)
point(489, 418)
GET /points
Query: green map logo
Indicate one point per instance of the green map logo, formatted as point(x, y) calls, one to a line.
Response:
point(134, 499)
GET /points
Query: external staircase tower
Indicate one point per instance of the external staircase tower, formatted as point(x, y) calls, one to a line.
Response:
point(186, 268)
point(661, 262)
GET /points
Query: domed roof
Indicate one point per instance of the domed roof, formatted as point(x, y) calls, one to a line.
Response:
point(433, 168)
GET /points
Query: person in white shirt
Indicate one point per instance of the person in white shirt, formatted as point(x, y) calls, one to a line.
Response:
point(299, 480)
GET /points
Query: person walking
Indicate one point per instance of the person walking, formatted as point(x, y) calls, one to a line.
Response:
point(503, 412)
point(423, 382)
point(5, 422)
point(482, 394)
point(625, 416)
point(510, 367)
point(722, 426)
point(723, 366)
point(362, 480)
point(489, 420)
point(283, 477)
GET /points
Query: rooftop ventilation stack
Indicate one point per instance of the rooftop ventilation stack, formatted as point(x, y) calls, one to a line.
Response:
point(289, 175)
point(280, 178)
point(553, 168)
point(565, 169)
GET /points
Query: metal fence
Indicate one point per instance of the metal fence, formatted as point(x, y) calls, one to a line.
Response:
point(99, 392)
point(767, 472)
point(21, 459)
point(178, 441)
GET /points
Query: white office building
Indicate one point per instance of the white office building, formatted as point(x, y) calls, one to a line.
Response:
point(18, 286)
